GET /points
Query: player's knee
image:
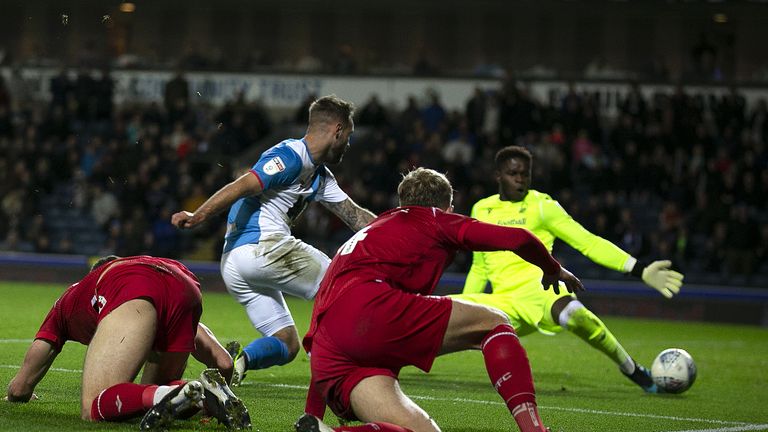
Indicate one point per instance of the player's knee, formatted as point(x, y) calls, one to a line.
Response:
point(290, 338)
point(293, 351)
point(421, 423)
point(495, 318)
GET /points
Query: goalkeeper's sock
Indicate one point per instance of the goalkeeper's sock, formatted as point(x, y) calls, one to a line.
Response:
point(510, 372)
point(265, 352)
point(125, 400)
point(583, 323)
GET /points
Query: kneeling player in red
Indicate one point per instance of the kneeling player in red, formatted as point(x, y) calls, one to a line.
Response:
point(374, 314)
point(131, 311)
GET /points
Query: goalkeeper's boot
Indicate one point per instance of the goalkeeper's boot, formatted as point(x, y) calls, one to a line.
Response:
point(221, 403)
point(178, 401)
point(310, 423)
point(241, 362)
point(642, 377)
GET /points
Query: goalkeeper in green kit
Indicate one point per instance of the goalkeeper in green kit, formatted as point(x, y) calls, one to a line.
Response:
point(516, 284)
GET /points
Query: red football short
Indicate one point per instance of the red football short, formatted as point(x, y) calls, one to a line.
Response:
point(374, 329)
point(175, 295)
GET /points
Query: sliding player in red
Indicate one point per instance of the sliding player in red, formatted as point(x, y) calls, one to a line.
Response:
point(374, 314)
point(131, 311)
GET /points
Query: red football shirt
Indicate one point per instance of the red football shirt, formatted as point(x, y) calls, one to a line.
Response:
point(76, 312)
point(409, 247)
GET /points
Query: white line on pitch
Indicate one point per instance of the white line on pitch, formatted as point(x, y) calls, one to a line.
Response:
point(15, 340)
point(740, 426)
point(578, 410)
point(53, 369)
point(757, 427)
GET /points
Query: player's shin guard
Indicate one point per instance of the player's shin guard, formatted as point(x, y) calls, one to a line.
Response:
point(121, 401)
point(510, 373)
point(583, 323)
point(265, 352)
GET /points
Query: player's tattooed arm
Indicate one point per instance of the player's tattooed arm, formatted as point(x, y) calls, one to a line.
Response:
point(352, 214)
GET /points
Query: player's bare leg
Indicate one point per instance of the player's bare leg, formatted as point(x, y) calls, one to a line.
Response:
point(162, 368)
point(379, 399)
point(119, 347)
point(468, 326)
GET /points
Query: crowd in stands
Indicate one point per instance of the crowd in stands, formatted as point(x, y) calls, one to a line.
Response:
point(672, 176)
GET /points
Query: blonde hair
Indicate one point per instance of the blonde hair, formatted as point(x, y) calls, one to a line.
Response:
point(425, 187)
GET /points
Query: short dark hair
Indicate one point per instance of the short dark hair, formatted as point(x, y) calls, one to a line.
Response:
point(425, 187)
point(512, 152)
point(330, 109)
point(103, 260)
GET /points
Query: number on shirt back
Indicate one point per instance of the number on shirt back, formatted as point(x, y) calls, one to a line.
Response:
point(349, 246)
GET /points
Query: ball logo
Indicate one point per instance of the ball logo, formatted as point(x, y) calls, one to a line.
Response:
point(274, 166)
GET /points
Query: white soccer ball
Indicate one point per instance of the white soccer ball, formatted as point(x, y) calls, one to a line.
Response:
point(673, 370)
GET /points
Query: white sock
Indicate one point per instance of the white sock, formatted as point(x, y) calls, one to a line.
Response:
point(161, 392)
point(628, 367)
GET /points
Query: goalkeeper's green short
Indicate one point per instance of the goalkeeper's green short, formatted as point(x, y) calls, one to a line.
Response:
point(527, 306)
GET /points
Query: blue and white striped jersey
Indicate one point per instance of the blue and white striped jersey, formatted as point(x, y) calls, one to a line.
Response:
point(290, 180)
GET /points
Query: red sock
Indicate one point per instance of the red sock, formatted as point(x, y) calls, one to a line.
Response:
point(122, 401)
point(372, 427)
point(510, 373)
point(527, 417)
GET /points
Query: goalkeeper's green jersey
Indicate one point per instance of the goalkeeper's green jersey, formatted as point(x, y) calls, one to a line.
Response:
point(547, 220)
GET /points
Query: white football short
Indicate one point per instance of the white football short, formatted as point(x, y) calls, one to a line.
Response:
point(257, 275)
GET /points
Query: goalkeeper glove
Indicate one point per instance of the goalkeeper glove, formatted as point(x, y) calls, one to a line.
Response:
point(660, 276)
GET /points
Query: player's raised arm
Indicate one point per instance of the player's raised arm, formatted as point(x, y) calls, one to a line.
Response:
point(481, 236)
point(657, 275)
point(246, 185)
point(351, 213)
point(38, 359)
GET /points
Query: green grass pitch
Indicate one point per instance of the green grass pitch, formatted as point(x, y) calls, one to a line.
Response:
point(578, 389)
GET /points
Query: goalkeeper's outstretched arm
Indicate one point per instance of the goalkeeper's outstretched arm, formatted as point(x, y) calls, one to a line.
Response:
point(658, 274)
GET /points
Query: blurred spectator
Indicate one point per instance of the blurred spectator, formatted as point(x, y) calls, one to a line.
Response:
point(423, 66)
point(372, 113)
point(104, 206)
point(459, 149)
point(475, 110)
point(20, 90)
point(345, 62)
point(704, 55)
point(433, 114)
point(176, 96)
point(743, 238)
